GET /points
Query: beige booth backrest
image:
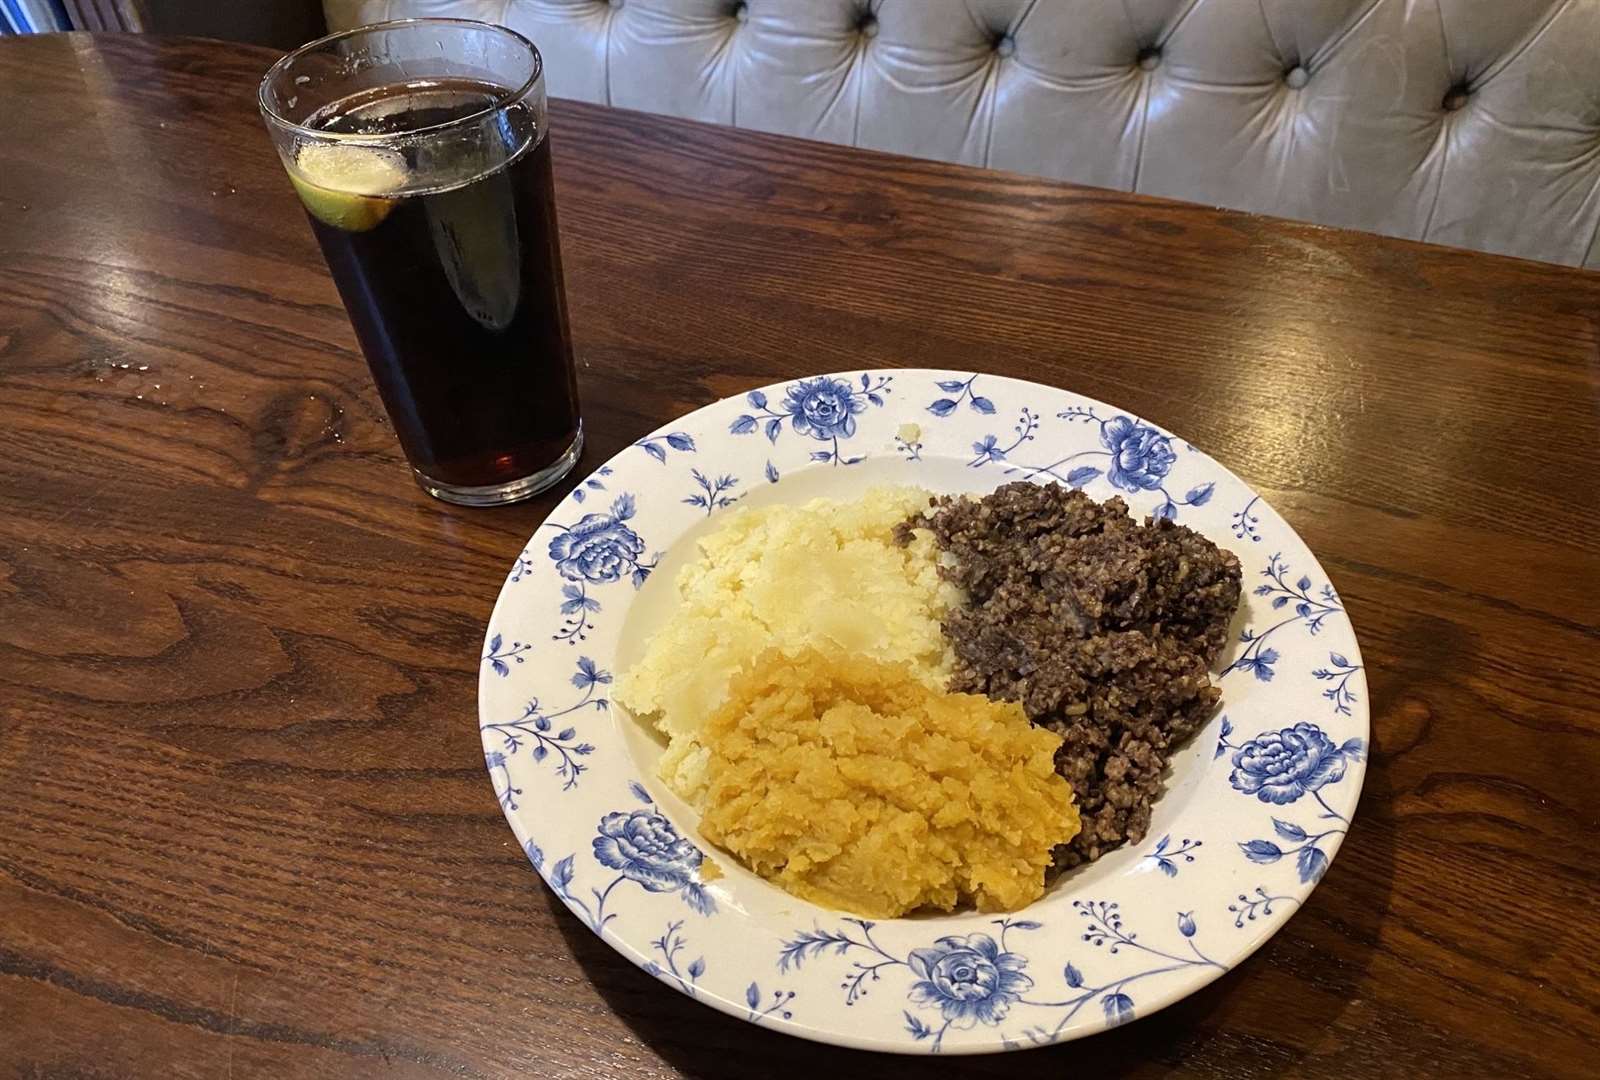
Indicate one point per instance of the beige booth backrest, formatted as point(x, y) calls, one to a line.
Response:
point(1467, 122)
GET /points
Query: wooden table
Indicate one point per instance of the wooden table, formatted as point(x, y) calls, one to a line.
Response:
point(244, 822)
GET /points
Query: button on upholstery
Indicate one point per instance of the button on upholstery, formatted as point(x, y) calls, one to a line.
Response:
point(1005, 47)
point(1296, 77)
point(1149, 59)
point(868, 26)
point(1456, 98)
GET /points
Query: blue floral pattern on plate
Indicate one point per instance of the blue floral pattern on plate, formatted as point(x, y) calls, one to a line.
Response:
point(1278, 767)
point(1275, 806)
point(1308, 610)
point(823, 408)
point(599, 549)
point(1167, 856)
point(536, 728)
point(974, 979)
point(1132, 456)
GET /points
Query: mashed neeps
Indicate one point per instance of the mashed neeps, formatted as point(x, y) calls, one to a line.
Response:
point(852, 783)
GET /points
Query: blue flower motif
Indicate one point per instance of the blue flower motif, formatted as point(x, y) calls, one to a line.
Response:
point(1119, 1009)
point(1280, 766)
point(1258, 663)
point(968, 979)
point(1141, 456)
point(823, 408)
point(647, 849)
point(987, 450)
point(600, 548)
point(589, 675)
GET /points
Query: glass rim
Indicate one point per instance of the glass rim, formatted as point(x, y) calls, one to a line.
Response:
point(504, 98)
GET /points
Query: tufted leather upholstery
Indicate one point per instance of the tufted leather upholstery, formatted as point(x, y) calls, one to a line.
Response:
point(1474, 123)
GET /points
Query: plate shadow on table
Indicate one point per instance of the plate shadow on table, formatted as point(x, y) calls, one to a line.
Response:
point(1262, 1019)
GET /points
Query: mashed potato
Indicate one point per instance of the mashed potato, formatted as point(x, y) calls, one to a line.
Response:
point(853, 784)
point(825, 575)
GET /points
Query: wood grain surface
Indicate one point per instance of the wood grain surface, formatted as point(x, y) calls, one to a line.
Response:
point(244, 822)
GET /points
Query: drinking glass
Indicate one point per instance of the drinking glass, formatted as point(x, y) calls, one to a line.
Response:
point(421, 152)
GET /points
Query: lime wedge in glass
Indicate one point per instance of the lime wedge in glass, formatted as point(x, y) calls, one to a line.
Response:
point(345, 186)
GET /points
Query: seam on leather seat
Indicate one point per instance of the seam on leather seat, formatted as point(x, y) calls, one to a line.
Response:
point(990, 90)
point(847, 69)
point(1089, 82)
point(1319, 55)
point(977, 23)
point(1251, 90)
point(1442, 140)
point(953, 83)
point(1444, 39)
point(1133, 27)
point(1484, 114)
point(1173, 29)
point(611, 18)
point(1267, 23)
point(1144, 128)
point(723, 54)
point(1590, 258)
point(858, 70)
point(1022, 17)
point(1296, 106)
point(1494, 69)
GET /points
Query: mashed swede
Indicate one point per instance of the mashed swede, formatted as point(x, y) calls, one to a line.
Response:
point(853, 784)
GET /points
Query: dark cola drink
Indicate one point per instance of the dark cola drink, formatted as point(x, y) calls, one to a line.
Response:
point(433, 201)
point(455, 294)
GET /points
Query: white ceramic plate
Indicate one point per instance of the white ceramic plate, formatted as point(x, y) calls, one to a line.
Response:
point(1255, 806)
